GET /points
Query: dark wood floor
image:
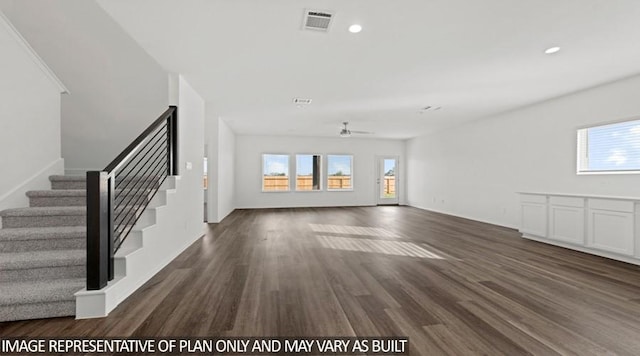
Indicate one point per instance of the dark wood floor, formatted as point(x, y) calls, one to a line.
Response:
point(453, 286)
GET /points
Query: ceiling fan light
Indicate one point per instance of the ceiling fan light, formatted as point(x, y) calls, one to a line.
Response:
point(345, 133)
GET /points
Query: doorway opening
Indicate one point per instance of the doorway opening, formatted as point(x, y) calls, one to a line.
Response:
point(205, 184)
point(387, 181)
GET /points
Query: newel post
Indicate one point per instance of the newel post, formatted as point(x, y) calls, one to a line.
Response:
point(172, 148)
point(99, 224)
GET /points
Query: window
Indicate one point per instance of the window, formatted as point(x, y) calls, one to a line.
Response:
point(275, 173)
point(308, 168)
point(339, 176)
point(613, 148)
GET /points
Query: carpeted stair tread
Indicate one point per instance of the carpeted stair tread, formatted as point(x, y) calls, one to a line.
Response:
point(40, 291)
point(42, 259)
point(58, 178)
point(68, 182)
point(79, 178)
point(58, 193)
point(45, 211)
point(42, 233)
point(78, 193)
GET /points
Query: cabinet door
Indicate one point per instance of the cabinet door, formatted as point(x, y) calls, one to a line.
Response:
point(566, 219)
point(533, 215)
point(610, 226)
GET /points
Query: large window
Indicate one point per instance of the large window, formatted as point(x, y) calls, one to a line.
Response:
point(308, 168)
point(275, 173)
point(613, 148)
point(339, 172)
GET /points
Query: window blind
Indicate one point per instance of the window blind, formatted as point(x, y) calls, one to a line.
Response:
point(609, 148)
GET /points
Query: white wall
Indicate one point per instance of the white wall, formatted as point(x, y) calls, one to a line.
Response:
point(116, 88)
point(475, 170)
point(212, 127)
point(226, 170)
point(30, 122)
point(221, 147)
point(191, 116)
point(249, 150)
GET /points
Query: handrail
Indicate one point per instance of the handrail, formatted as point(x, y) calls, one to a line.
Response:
point(135, 145)
point(113, 209)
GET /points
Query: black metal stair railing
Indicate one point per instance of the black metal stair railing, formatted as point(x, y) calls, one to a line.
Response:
point(118, 195)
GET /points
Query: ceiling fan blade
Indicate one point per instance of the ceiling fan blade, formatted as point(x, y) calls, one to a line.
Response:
point(362, 132)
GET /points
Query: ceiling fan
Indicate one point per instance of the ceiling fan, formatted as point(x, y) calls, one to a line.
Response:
point(345, 132)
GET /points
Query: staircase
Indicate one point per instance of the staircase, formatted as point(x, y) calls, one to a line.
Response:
point(43, 248)
point(42, 252)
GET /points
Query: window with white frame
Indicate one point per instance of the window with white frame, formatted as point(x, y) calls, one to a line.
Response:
point(611, 148)
point(275, 173)
point(308, 176)
point(339, 172)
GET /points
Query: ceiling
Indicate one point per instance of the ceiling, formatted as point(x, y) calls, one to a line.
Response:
point(250, 58)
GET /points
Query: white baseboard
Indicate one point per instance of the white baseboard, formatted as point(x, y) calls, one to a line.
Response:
point(303, 206)
point(464, 217)
point(16, 198)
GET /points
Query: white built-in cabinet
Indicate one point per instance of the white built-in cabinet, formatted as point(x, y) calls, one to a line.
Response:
point(604, 226)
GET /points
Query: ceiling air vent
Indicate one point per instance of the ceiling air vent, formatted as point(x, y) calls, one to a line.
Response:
point(317, 20)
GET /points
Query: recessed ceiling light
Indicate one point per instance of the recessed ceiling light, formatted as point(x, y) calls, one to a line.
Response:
point(355, 28)
point(551, 50)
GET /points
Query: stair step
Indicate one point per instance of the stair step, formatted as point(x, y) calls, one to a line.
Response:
point(43, 217)
point(40, 291)
point(68, 182)
point(56, 216)
point(60, 197)
point(39, 299)
point(42, 265)
point(80, 182)
point(77, 197)
point(42, 238)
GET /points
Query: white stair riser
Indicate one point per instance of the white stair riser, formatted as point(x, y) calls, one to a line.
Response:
point(120, 266)
point(160, 199)
point(147, 218)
